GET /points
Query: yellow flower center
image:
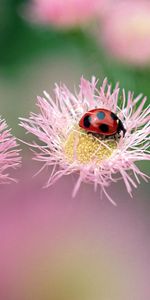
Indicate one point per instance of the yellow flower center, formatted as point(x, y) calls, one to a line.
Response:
point(86, 147)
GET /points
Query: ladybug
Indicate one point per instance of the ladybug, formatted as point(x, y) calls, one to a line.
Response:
point(102, 121)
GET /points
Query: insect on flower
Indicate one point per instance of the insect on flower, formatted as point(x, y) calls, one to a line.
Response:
point(103, 122)
point(69, 146)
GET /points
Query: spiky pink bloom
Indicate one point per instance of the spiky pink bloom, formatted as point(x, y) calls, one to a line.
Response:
point(9, 155)
point(66, 146)
point(125, 31)
point(62, 13)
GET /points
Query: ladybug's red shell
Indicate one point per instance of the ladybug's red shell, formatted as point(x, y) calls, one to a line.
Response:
point(101, 121)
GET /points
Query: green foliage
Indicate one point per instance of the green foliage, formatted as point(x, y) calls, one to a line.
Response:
point(22, 42)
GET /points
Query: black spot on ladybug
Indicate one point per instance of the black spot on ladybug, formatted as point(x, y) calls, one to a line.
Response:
point(100, 115)
point(113, 116)
point(86, 121)
point(104, 128)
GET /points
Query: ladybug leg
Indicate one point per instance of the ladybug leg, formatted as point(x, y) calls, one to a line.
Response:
point(101, 136)
point(117, 137)
point(90, 133)
point(104, 137)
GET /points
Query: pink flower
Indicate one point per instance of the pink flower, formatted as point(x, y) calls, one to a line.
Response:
point(68, 148)
point(9, 155)
point(62, 13)
point(126, 31)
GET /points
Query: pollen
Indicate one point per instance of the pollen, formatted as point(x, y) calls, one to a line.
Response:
point(87, 148)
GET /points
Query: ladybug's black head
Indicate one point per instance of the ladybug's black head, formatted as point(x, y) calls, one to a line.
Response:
point(121, 128)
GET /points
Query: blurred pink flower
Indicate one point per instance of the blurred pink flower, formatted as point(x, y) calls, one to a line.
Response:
point(56, 249)
point(9, 155)
point(65, 145)
point(62, 13)
point(125, 31)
